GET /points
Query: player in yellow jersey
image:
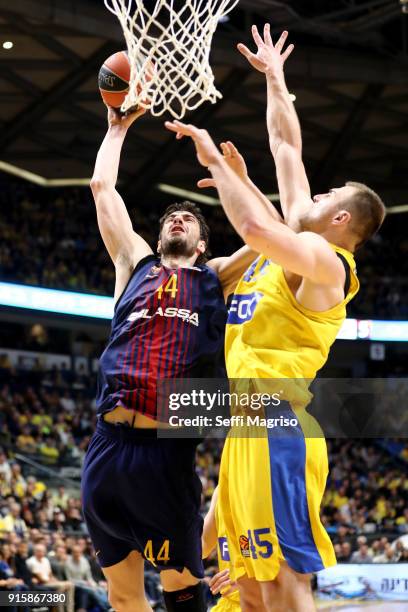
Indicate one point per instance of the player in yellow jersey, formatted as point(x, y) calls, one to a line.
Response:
point(286, 313)
point(214, 536)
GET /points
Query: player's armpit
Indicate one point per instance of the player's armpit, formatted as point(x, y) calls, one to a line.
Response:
point(293, 184)
point(230, 269)
point(306, 254)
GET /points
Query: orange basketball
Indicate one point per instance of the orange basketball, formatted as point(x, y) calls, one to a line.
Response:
point(114, 77)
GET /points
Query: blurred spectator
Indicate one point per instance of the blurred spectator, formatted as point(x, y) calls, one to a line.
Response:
point(40, 568)
point(22, 569)
point(9, 581)
point(49, 451)
point(5, 468)
point(61, 498)
point(13, 521)
point(78, 571)
point(346, 552)
point(362, 555)
point(388, 556)
point(25, 441)
point(58, 562)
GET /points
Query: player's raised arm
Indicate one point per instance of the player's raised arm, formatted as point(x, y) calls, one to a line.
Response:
point(124, 246)
point(230, 269)
point(306, 254)
point(237, 163)
point(285, 136)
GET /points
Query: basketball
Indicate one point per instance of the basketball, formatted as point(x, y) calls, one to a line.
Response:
point(113, 79)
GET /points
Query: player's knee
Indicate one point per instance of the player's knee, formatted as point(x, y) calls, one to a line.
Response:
point(175, 581)
point(189, 599)
point(124, 600)
point(272, 597)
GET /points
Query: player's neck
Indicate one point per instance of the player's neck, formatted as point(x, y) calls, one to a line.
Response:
point(344, 242)
point(178, 261)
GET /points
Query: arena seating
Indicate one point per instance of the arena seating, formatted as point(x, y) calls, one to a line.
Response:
point(69, 254)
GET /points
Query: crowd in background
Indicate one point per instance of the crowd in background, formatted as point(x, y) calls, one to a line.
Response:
point(49, 416)
point(68, 253)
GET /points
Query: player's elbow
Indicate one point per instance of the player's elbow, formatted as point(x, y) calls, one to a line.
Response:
point(97, 185)
point(251, 233)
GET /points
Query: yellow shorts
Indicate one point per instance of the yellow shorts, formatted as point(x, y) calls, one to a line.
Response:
point(227, 604)
point(270, 491)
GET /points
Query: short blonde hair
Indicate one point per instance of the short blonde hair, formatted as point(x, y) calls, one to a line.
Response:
point(368, 211)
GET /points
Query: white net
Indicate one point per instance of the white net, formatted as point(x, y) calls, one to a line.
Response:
point(169, 46)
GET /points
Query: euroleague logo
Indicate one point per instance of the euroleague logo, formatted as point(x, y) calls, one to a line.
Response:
point(244, 546)
point(243, 307)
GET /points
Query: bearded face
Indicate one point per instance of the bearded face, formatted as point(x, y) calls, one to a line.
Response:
point(180, 235)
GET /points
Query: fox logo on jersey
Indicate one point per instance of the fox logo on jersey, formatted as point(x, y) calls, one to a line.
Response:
point(243, 307)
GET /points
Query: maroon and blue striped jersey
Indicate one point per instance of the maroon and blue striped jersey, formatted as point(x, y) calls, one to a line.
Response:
point(168, 323)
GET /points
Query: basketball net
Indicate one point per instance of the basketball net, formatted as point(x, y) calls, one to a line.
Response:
point(169, 52)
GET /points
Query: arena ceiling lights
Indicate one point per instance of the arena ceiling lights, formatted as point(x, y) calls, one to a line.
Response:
point(41, 180)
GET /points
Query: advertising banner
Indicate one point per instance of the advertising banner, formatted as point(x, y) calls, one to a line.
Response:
point(371, 581)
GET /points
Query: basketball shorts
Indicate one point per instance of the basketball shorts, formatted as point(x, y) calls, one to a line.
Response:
point(227, 604)
point(270, 491)
point(142, 493)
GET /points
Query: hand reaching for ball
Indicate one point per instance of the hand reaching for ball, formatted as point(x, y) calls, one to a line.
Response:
point(124, 120)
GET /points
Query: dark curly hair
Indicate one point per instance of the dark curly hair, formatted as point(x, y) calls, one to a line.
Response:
point(204, 229)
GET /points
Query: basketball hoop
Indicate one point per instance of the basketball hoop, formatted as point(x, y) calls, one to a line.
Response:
point(177, 42)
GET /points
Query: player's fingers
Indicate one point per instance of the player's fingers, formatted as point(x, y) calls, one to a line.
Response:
point(170, 126)
point(245, 51)
point(229, 591)
point(288, 51)
point(267, 34)
point(257, 37)
point(281, 41)
point(233, 149)
point(219, 575)
point(220, 585)
point(181, 129)
point(225, 150)
point(112, 110)
point(136, 114)
point(207, 182)
point(219, 581)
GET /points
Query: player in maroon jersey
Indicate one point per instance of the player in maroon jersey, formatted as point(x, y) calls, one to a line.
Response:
point(141, 495)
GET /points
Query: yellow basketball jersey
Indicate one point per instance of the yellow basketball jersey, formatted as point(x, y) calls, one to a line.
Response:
point(270, 335)
point(271, 485)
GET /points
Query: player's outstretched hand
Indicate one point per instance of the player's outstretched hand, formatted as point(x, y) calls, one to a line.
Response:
point(124, 120)
point(235, 161)
point(269, 57)
point(222, 582)
point(207, 152)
